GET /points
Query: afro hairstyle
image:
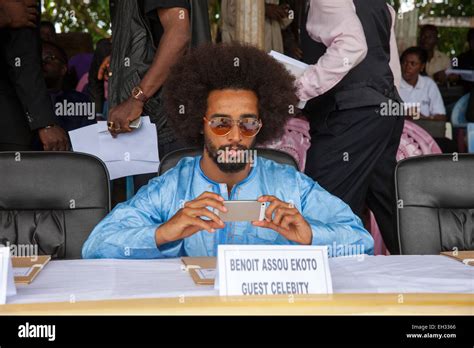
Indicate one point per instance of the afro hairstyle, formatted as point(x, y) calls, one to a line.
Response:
point(236, 66)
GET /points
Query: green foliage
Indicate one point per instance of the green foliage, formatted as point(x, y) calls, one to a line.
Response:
point(90, 16)
point(451, 40)
point(93, 16)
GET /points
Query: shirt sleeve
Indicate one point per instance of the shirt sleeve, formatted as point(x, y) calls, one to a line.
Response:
point(22, 55)
point(129, 230)
point(336, 25)
point(394, 55)
point(332, 221)
point(436, 100)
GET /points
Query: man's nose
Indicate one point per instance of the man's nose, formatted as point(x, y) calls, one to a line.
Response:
point(234, 135)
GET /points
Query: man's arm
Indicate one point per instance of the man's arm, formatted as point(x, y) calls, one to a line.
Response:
point(332, 221)
point(25, 72)
point(336, 25)
point(173, 43)
point(394, 56)
point(22, 54)
point(129, 231)
point(172, 46)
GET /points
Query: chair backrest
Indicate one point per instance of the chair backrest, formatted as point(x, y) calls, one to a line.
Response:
point(435, 197)
point(416, 141)
point(458, 115)
point(296, 141)
point(172, 158)
point(51, 200)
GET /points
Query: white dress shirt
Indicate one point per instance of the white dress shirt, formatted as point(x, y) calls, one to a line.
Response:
point(335, 24)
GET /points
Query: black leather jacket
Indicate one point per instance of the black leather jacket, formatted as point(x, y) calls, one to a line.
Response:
point(133, 51)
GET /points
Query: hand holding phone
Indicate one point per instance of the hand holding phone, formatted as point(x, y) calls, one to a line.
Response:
point(242, 211)
point(193, 217)
point(285, 218)
point(136, 123)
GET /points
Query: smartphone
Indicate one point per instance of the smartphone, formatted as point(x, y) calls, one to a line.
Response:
point(136, 123)
point(242, 211)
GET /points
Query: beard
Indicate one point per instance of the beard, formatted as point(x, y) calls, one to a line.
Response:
point(233, 164)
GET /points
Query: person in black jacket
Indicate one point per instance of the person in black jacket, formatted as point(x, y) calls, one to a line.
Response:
point(24, 102)
point(169, 22)
point(170, 26)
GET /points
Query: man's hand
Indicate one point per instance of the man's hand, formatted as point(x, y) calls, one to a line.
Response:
point(453, 78)
point(104, 69)
point(440, 77)
point(297, 52)
point(276, 12)
point(54, 139)
point(188, 221)
point(414, 113)
point(18, 13)
point(121, 115)
point(287, 221)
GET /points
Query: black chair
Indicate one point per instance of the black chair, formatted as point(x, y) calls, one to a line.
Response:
point(435, 196)
point(171, 159)
point(51, 200)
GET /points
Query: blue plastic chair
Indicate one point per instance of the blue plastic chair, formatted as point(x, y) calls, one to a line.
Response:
point(470, 137)
point(458, 115)
point(458, 119)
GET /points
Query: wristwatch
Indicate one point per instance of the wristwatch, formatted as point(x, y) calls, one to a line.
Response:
point(137, 93)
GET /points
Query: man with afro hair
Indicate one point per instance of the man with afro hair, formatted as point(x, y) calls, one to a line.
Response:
point(226, 98)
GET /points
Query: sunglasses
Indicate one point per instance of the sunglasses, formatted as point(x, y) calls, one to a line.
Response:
point(221, 126)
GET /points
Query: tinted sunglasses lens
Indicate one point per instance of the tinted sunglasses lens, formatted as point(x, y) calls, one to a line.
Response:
point(220, 125)
point(249, 127)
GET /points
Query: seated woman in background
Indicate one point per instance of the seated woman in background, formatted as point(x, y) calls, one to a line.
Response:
point(422, 92)
point(419, 89)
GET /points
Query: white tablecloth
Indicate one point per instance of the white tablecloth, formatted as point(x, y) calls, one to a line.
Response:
point(86, 280)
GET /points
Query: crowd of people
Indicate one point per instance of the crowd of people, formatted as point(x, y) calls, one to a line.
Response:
point(193, 90)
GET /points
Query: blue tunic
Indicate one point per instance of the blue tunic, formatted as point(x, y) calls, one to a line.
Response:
point(129, 229)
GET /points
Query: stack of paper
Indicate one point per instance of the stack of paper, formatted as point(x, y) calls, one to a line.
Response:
point(25, 269)
point(295, 67)
point(466, 75)
point(466, 257)
point(202, 269)
point(128, 154)
point(7, 283)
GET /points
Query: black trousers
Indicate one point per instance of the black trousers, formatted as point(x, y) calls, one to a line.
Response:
point(353, 156)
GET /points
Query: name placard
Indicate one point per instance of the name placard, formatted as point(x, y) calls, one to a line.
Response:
point(273, 270)
point(7, 283)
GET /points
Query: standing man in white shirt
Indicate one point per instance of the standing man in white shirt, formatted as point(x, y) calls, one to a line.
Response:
point(351, 47)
